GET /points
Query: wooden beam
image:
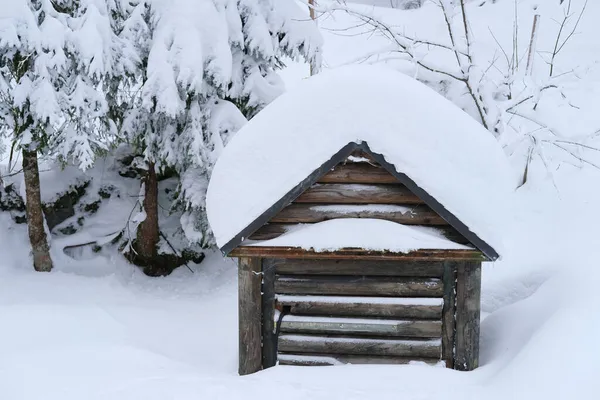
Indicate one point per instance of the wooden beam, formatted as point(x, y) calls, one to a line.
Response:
point(337, 359)
point(363, 306)
point(357, 254)
point(360, 346)
point(468, 310)
point(312, 213)
point(448, 328)
point(353, 286)
point(420, 269)
point(358, 173)
point(249, 313)
point(335, 193)
point(361, 327)
point(269, 340)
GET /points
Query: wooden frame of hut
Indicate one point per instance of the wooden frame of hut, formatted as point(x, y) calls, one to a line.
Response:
point(302, 307)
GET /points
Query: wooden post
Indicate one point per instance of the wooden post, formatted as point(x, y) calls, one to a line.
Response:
point(468, 308)
point(269, 341)
point(249, 303)
point(448, 323)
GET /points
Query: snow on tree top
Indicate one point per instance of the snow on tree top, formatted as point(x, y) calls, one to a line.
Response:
point(437, 145)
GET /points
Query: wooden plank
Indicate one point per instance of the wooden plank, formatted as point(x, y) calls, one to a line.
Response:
point(359, 346)
point(358, 194)
point(273, 230)
point(423, 269)
point(448, 327)
point(269, 340)
point(358, 286)
point(361, 327)
point(418, 308)
point(312, 213)
point(357, 254)
point(249, 313)
point(358, 173)
point(468, 307)
point(339, 359)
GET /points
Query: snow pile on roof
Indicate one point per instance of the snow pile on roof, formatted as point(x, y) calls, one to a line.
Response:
point(441, 148)
point(363, 233)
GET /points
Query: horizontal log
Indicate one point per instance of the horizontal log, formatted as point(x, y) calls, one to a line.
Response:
point(433, 269)
point(361, 327)
point(312, 213)
point(419, 308)
point(361, 286)
point(358, 194)
point(357, 254)
point(336, 359)
point(358, 173)
point(359, 346)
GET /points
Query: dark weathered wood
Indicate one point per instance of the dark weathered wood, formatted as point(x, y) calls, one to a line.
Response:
point(357, 254)
point(361, 327)
point(358, 173)
point(312, 213)
point(449, 280)
point(434, 269)
point(360, 346)
point(358, 194)
point(273, 230)
point(249, 309)
point(358, 307)
point(269, 340)
point(338, 359)
point(358, 286)
point(468, 306)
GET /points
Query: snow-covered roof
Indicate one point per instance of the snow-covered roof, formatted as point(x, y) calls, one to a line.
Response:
point(421, 134)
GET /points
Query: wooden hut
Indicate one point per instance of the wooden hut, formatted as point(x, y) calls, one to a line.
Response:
point(361, 256)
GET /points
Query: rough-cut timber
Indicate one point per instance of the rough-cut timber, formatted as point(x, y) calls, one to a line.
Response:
point(312, 213)
point(468, 305)
point(35, 217)
point(358, 254)
point(249, 303)
point(359, 286)
point(449, 280)
point(358, 268)
point(269, 341)
point(361, 327)
point(358, 194)
point(361, 307)
point(336, 359)
point(358, 173)
point(360, 346)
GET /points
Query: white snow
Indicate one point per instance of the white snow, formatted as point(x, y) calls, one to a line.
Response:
point(363, 233)
point(422, 134)
point(418, 301)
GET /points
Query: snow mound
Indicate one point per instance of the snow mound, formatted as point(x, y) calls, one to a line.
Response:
point(364, 233)
point(440, 147)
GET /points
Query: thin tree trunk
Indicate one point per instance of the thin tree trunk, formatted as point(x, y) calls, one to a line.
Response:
point(35, 215)
point(148, 234)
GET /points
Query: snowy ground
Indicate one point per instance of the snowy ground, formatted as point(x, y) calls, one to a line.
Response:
point(100, 329)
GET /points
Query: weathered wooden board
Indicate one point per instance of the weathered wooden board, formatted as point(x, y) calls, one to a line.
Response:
point(449, 280)
point(433, 269)
point(358, 254)
point(430, 348)
point(358, 173)
point(361, 327)
point(358, 286)
point(468, 309)
point(419, 308)
point(358, 194)
point(312, 213)
point(269, 340)
point(336, 359)
point(249, 312)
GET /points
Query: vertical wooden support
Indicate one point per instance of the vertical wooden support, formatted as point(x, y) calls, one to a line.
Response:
point(468, 307)
point(448, 323)
point(249, 303)
point(269, 341)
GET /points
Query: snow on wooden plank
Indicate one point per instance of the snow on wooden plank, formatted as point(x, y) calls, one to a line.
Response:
point(406, 301)
point(331, 360)
point(358, 194)
point(358, 172)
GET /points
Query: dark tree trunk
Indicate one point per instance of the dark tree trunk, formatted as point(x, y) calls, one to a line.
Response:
point(148, 233)
point(35, 215)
